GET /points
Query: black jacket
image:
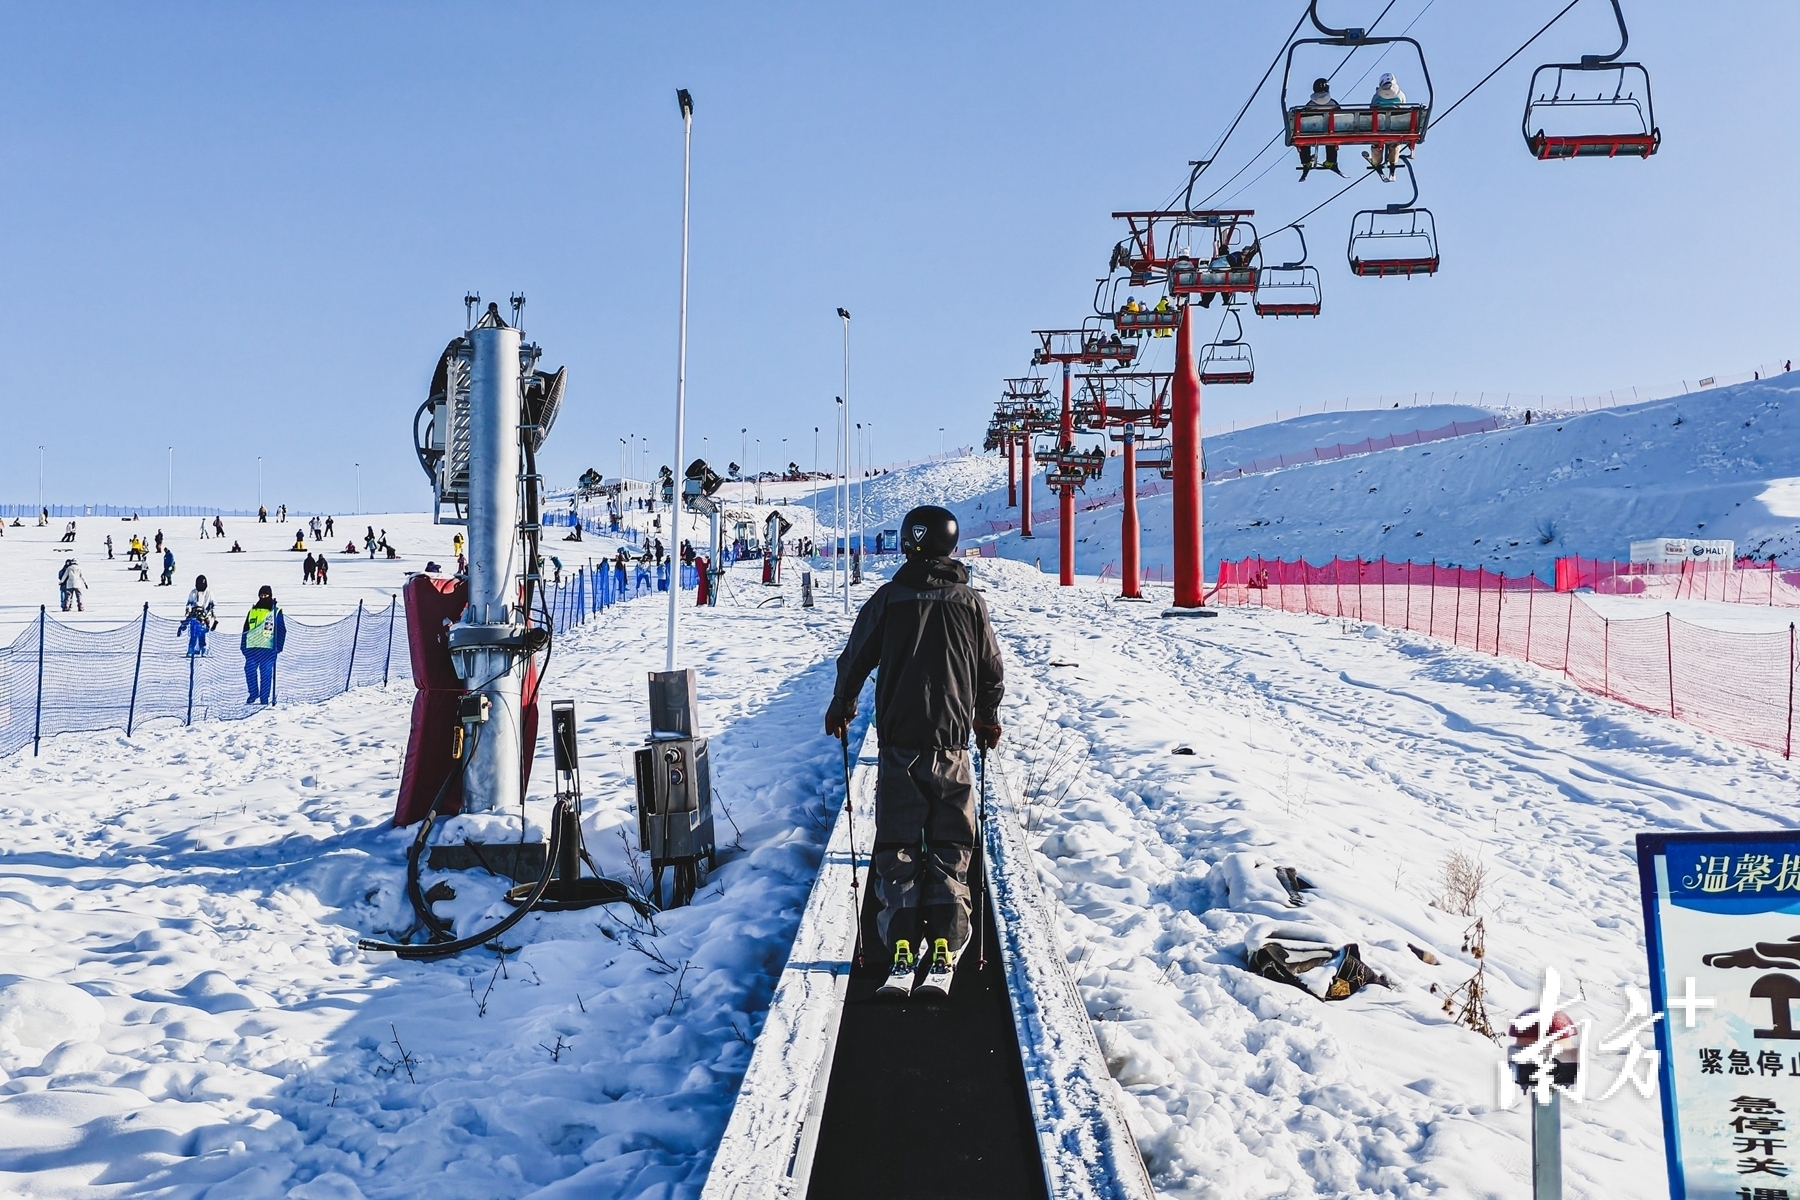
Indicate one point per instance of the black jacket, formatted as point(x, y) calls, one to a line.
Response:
point(928, 631)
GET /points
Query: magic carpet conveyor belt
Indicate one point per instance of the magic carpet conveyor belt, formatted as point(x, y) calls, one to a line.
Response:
point(998, 1092)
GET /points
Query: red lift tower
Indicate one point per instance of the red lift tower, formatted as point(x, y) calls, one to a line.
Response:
point(1019, 417)
point(1090, 346)
point(1136, 403)
point(1198, 255)
point(1023, 402)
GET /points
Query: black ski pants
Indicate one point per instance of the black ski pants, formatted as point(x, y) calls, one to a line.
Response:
point(924, 841)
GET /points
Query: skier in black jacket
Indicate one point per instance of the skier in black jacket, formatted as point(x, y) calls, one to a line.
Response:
point(940, 679)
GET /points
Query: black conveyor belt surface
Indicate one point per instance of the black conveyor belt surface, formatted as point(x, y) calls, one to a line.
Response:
point(927, 1099)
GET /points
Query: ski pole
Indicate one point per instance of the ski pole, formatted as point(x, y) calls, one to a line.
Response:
point(981, 837)
point(850, 816)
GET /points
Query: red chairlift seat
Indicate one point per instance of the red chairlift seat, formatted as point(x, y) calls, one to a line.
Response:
point(1290, 290)
point(1353, 124)
point(1358, 125)
point(1551, 113)
point(1136, 323)
point(1387, 242)
point(1192, 277)
point(1559, 103)
point(1228, 360)
point(1397, 240)
point(1227, 363)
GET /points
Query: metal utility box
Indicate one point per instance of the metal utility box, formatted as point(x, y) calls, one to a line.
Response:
point(674, 789)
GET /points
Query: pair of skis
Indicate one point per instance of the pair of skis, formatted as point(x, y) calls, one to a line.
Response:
point(940, 969)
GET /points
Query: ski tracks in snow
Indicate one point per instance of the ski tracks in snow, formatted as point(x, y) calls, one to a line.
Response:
point(1363, 758)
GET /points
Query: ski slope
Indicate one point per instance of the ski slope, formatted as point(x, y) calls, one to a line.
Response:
point(183, 1008)
point(183, 1012)
point(1718, 464)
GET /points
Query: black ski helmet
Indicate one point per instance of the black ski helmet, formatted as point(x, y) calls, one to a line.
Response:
point(928, 532)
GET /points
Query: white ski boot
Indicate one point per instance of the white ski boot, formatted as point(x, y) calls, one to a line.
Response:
point(900, 975)
point(940, 969)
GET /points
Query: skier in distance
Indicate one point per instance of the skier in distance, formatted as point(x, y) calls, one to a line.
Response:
point(940, 677)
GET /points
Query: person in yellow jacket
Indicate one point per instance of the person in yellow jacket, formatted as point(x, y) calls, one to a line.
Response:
point(265, 634)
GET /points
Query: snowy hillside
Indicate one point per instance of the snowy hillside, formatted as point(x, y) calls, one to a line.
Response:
point(1717, 464)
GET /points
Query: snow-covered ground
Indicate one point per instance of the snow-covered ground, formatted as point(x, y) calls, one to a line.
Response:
point(184, 1009)
point(1364, 758)
point(183, 1012)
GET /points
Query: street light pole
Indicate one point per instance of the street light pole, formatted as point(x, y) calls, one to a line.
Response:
point(837, 499)
point(845, 315)
point(687, 155)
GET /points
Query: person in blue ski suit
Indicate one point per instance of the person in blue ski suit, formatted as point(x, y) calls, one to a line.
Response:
point(265, 634)
point(199, 619)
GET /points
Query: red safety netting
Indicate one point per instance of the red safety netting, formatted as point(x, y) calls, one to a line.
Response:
point(1743, 582)
point(1366, 446)
point(1050, 516)
point(1737, 685)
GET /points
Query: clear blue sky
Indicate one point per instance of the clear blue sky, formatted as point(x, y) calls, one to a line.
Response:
point(246, 230)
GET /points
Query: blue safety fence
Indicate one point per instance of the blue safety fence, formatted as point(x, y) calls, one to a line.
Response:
point(57, 678)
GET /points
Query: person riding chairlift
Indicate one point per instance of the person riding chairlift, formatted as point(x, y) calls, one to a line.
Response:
point(1385, 155)
point(1163, 306)
point(1321, 99)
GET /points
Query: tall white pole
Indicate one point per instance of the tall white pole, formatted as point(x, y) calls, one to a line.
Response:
point(815, 483)
point(359, 489)
point(837, 499)
point(259, 481)
point(40, 477)
point(687, 155)
point(845, 315)
point(169, 503)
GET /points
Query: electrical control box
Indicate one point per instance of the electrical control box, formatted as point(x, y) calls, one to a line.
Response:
point(674, 789)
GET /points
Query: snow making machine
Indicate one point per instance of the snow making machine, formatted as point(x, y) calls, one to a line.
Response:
point(478, 640)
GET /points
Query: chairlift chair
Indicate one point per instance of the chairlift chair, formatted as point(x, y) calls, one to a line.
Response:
point(1212, 272)
point(1353, 124)
point(1566, 104)
point(1400, 239)
point(1289, 290)
point(1146, 321)
point(1228, 360)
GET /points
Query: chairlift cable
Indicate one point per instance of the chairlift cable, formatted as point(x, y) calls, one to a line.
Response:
point(1440, 117)
point(1438, 120)
point(1333, 75)
point(1213, 154)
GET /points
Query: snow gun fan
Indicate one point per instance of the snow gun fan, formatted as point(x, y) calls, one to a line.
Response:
point(699, 483)
point(776, 527)
point(674, 791)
